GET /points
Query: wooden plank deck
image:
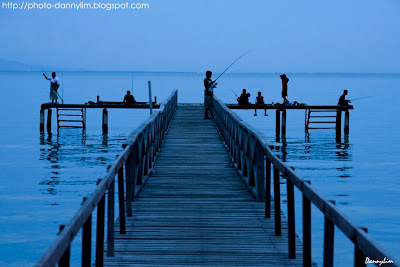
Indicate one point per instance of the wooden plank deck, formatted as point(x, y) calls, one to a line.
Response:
point(195, 210)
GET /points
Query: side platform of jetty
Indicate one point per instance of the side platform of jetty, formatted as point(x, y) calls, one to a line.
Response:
point(202, 192)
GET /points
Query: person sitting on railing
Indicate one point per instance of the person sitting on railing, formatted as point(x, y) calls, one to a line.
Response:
point(342, 99)
point(129, 99)
point(259, 103)
point(243, 99)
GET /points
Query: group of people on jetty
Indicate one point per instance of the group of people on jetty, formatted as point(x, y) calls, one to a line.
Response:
point(209, 86)
point(243, 99)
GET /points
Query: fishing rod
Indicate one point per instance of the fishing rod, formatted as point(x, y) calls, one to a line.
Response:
point(360, 98)
point(234, 93)
point(231, 65)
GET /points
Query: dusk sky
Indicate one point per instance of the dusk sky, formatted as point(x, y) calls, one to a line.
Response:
point(195, 35)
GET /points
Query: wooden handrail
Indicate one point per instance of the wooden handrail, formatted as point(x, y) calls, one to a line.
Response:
point(246, 145)
point(138, 156)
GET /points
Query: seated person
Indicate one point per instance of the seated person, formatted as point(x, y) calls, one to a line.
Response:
point(259, 103)
point(243, 99)
point(129, 99)
point(342, 99)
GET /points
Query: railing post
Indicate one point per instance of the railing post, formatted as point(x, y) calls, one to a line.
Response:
point(260, 172)
point(306, 231)
point(291, 219)
point(64, 261)
point(110, 220)
point(128, 184)
point(121, 201)
point(277, 202)
point(87, 241)
point(359, 257)
point(268, 188)
point(329, 239)
point(100, 232)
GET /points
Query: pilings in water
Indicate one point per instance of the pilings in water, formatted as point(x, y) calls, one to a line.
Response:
point(280, 127)
point(105, 121)
point(41, 120)
point(42, 115)
point(49, 112)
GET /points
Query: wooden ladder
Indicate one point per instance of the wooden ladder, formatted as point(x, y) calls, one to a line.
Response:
point(322, 119)
point(71, 118)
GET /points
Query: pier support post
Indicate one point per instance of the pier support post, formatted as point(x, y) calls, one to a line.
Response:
point(105, 121)
point(346, 122)
point(278, 124)
point(41, 120)
point(49, 112)
point(284, 123)
point(338, 124)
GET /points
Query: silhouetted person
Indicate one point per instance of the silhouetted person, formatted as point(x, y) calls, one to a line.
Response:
point(259, 103)
point(243, 99)
point(129, 99)
point(209, 86)
point(342, 99)
point(54, 85)
point(285, 81)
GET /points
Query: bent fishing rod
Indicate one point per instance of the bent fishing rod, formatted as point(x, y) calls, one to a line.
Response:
point(231, 65)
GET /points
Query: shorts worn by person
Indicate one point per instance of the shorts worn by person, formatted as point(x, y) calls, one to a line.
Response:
point(209, 86)
point(54, 85)
point(260, 103)
point(129, 99)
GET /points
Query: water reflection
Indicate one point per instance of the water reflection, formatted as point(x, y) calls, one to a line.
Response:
point(70, 155)
point(317, 158)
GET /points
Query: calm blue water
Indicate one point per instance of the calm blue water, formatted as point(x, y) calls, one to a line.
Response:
point(45, 177)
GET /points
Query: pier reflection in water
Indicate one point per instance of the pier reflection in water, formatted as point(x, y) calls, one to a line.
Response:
point(72, 151)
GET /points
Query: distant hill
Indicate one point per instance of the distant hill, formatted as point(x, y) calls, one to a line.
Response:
point(9, 65)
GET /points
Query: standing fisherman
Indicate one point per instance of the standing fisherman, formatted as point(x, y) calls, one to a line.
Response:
point(285, 81)
point(209, 86)
point(54, 85)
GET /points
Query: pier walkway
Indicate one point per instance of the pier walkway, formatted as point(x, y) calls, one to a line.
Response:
point(195, 209)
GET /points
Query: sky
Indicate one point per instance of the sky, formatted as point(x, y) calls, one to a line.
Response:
point(196, 35)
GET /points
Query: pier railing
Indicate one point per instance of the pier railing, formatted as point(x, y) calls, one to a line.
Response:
point(137, 159)
point(253, 159)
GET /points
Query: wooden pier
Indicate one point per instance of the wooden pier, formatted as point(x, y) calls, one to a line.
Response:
point(330, 116)
point(78, 120)
point(199, 192)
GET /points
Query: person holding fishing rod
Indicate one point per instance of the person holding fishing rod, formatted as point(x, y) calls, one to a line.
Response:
point(209, 86)
point(342, 100)
point(54, 85)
